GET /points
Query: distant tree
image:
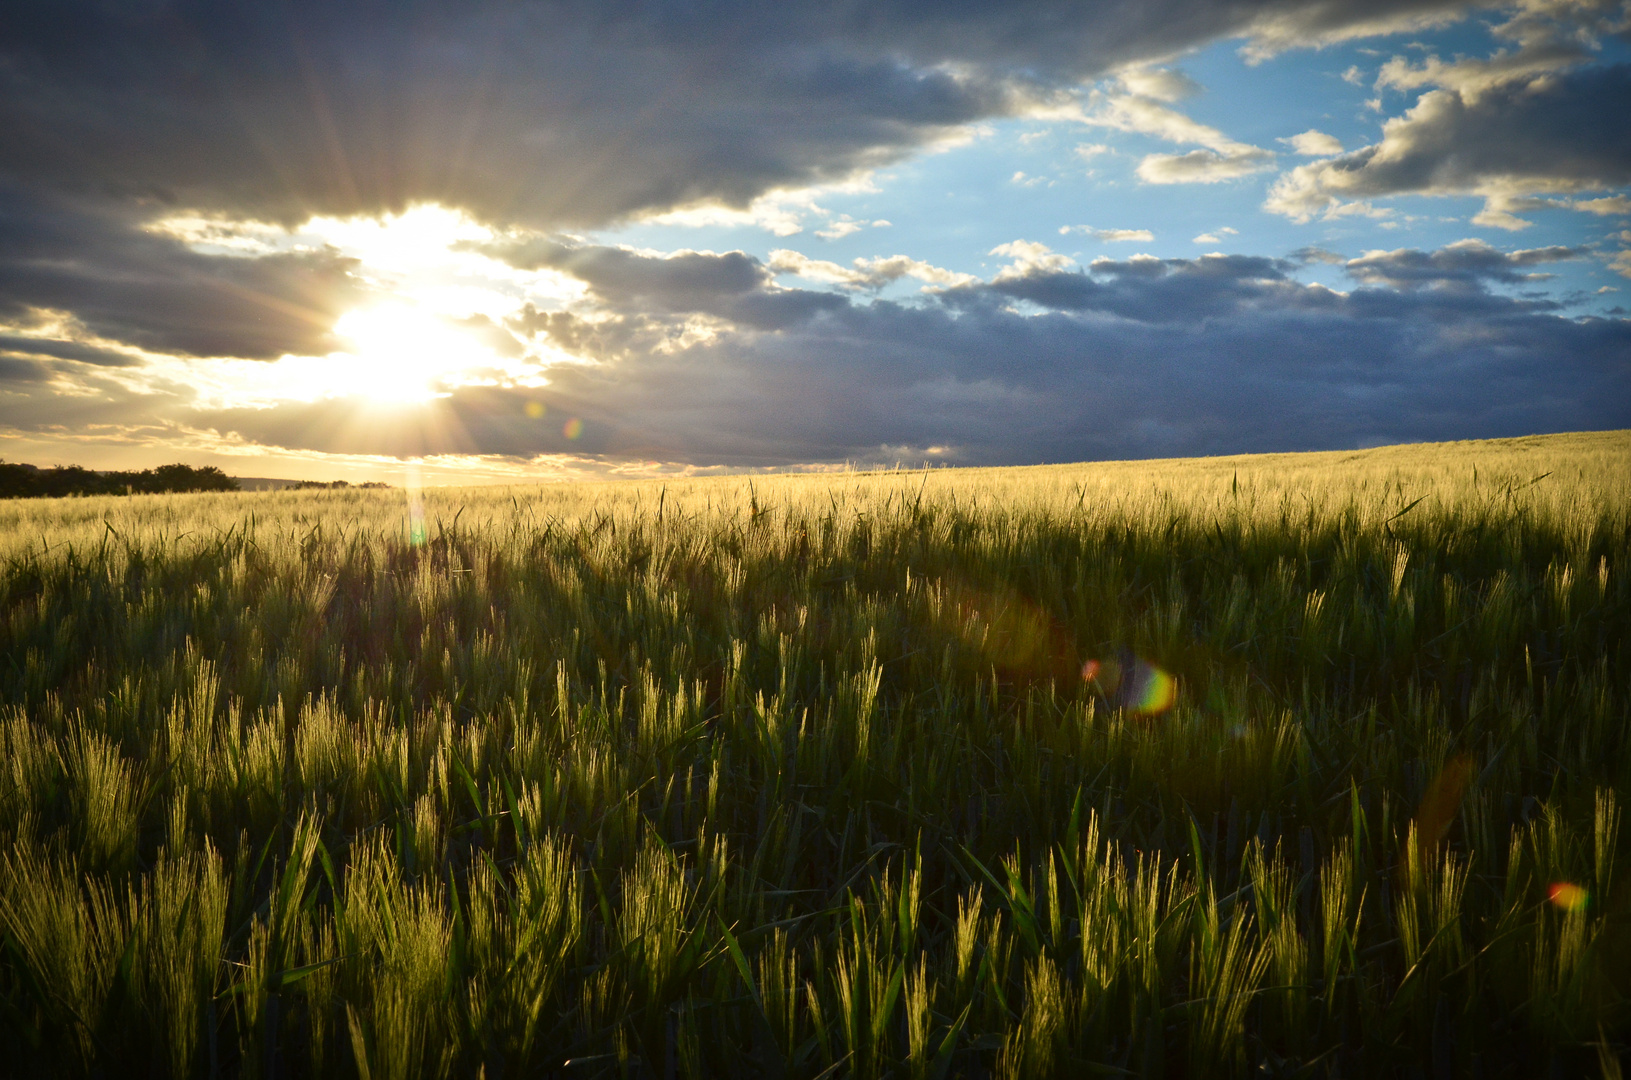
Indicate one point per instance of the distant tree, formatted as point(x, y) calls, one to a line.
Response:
point(74, 480)
point(186, 478)
point(18, 481)
point(24, 481)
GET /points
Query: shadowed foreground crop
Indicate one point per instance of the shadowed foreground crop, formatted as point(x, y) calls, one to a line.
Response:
point(802, 777)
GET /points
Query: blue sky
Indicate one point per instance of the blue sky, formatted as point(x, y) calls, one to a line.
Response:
point(555, 239)
point(1028, 178)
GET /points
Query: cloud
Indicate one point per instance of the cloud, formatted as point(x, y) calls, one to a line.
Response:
point(1129, 357)
point(1029, 257)
point(840, 229)
point(1548, 36)
point(563, 113)
point(865, 274)
point(1221, 158)
point(1559, 134)
point(733, 286)
point(844, 225)
point(1160, 84)
point(1473, 77)
point(1145, 116)
point(1281, 28)
point(123, 283)
point(1606, 207)
point(1203, 166)
point(1214, 237)
point(1109, 236)
point(1464, 265)
point(45, 347)
point(1313, 143)
point(1121, 235)
point(1145, 288)
point(553, 114)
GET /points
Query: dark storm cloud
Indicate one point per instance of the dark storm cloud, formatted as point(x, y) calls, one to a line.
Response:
point(14, 369)
point(1143, 357)
point(733, 286)
point(151, 291)
point(63, 350)
point(548, 113)
point(683, 281)
point(1154, 290)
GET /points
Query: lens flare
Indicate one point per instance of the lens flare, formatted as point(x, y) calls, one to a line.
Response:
point(1013, 633)
point(535, 409)
point(416, 507)
point(1568, 897)
point(573, 428)
point(1441, 801)
point(1150, 690)
point(1132, 684)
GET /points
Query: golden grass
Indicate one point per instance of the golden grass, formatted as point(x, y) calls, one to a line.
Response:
point(800, 774)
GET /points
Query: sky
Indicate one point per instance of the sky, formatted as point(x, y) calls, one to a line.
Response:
point(511, 240)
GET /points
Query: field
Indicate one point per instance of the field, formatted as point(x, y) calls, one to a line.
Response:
point(799, 776)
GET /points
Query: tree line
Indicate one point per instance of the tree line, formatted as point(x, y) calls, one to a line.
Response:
point(20, 481)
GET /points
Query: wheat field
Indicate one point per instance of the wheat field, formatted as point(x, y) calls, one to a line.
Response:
point(799, 775)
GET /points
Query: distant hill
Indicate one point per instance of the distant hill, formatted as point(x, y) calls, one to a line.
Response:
point(271, 483)
point(274, 483)
point(263, 483)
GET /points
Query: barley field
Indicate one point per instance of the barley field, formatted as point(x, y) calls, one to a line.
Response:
point(799, 776)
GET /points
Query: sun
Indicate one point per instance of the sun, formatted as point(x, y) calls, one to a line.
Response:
point(402, 354)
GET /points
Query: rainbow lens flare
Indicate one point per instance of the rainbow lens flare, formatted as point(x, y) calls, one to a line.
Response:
point(1138, 687)
point(1568, 897)
point(1150, 691)
point(573, 428)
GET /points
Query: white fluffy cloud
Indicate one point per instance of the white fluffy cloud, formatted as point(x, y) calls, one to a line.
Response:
point(1160, 84)
point(1109, 236)
point(1131, 109)
point(1317, 25)
point(864, 273)
point(1204, 166)
point(1313, 143)
point(1029, 257)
